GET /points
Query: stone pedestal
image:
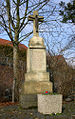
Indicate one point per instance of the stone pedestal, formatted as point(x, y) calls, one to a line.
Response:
point(36, 78)
point(48, 104)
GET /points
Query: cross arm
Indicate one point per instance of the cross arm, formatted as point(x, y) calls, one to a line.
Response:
point(41, 18)
point(31, 17)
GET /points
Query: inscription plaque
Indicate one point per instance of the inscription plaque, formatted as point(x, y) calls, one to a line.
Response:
point(38, 60)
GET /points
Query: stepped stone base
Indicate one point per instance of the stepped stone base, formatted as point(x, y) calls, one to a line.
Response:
point(29, 91)
point(33, 87)
point(37, 76)
point(28, 100)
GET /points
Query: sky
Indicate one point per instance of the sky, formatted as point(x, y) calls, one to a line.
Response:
point(5, 35)
point(61, 0)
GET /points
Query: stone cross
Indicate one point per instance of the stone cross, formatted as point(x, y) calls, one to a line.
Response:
point(36, 19)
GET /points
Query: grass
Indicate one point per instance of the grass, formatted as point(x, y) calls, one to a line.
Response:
point(55, 114)
point(50, 94)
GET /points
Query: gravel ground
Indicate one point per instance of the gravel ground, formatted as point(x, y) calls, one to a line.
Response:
point(15, 112)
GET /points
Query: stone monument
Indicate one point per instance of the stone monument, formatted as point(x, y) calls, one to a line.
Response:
point(36, 78)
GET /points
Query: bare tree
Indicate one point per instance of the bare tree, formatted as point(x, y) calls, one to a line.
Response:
point(13, 19)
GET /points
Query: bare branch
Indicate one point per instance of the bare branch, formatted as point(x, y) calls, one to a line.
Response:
point(9, 14)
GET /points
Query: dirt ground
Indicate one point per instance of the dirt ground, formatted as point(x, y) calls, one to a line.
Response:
point(10, 110)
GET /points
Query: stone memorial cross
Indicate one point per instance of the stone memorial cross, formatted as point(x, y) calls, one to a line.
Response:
point(35, 18)
point(36, 77)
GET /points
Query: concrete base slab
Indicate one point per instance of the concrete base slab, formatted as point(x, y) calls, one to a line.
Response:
point(48, 104)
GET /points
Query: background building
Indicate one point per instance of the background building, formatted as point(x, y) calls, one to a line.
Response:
point(6, 64)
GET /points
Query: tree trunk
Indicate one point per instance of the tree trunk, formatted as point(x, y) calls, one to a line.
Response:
point(15, 88)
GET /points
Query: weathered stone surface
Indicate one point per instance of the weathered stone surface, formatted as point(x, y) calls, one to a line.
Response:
point(48, 104)
point(34, 87)
point(31, 88)
point(37, 76)
point(36, 42)
point(28, 100)
point(36, 60)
